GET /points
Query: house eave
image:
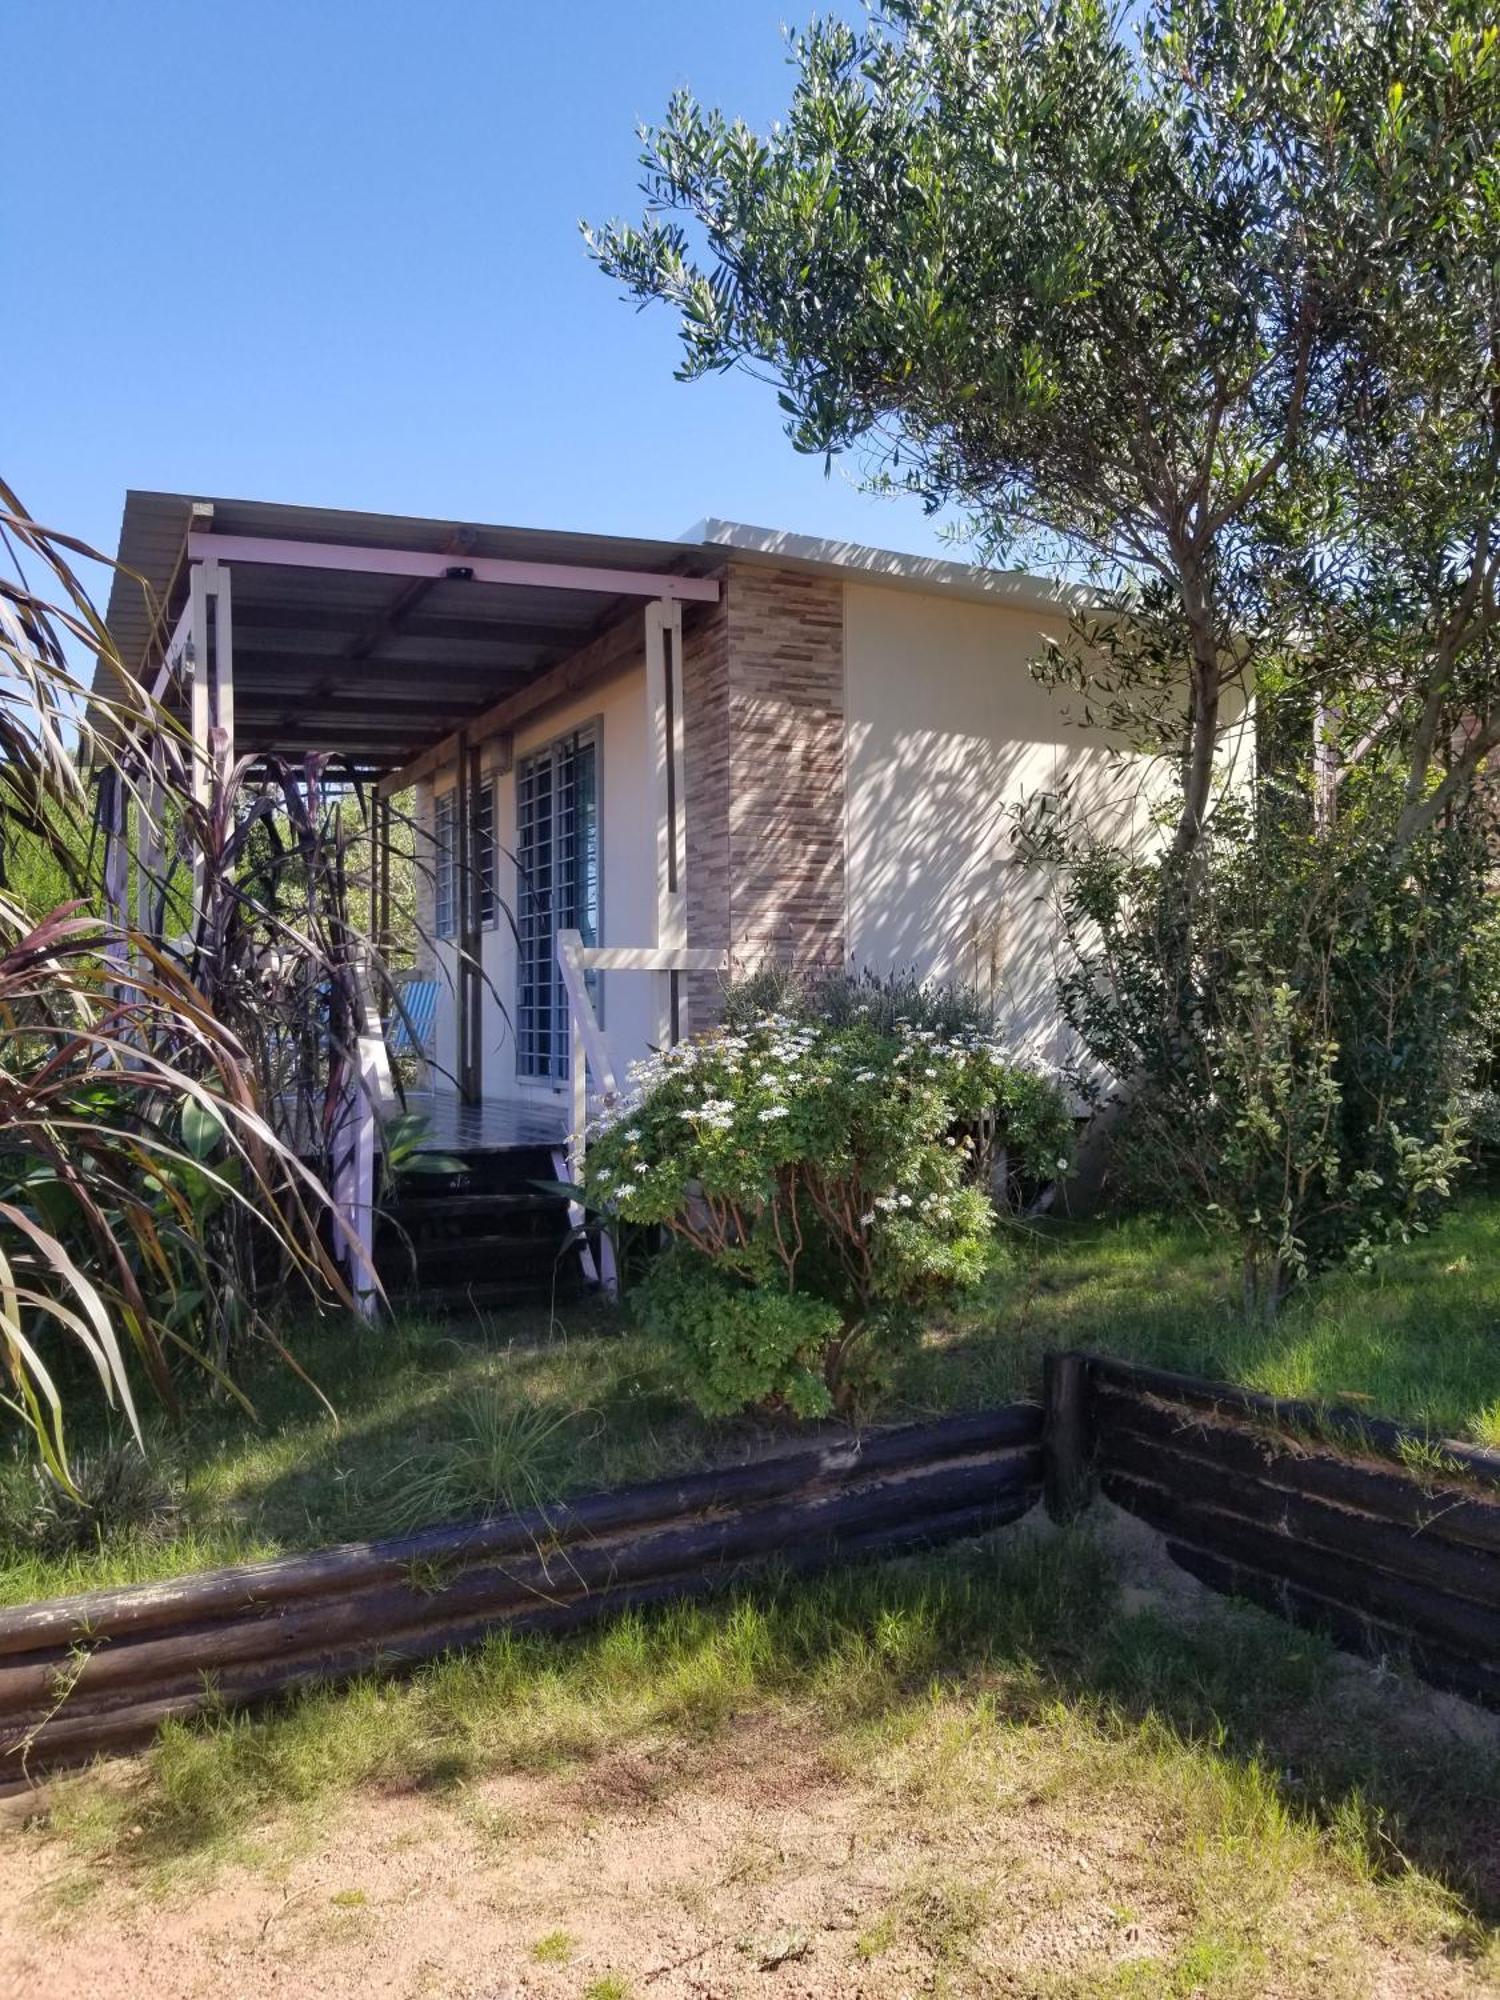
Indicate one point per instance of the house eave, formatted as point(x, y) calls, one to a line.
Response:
point(891, 568)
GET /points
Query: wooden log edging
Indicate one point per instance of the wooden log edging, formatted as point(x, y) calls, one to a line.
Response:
point(1378, 1436)
point(1383, 1539)
point(101, 1671)
point(1386, 1540)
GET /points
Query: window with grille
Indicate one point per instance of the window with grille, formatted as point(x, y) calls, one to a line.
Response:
point(557, 870)
point(445, 841)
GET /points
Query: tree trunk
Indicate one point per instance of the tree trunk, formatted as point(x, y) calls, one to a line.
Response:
point(1206, 670)
point(1198, 771)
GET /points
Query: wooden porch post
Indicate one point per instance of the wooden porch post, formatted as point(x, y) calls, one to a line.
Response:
point(152, 860)
point(199, 715)
point(223, 677)
point(380, 875)
point(668, 785)
point(470, 935)
point(211, 626)
point(114, 825)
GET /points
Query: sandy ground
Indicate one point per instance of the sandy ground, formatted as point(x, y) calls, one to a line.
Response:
point(743, 1866)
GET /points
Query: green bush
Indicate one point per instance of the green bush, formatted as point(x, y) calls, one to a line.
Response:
point(893, 1004)
point(1296, 1026)
point(818, 1184)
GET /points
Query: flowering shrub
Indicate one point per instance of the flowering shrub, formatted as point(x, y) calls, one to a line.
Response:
point(819, 1191)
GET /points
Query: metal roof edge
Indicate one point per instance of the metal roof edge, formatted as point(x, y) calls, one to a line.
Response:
point(1016, 588)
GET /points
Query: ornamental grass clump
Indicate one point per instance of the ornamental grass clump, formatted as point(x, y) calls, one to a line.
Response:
point(819, 1188)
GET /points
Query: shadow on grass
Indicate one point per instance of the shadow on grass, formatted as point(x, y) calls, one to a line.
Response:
point(1031, 1629)
point(490, 1433)
point(1414, 1340)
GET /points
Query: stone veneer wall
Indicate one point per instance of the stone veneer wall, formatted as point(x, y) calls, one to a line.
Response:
point(705, 746)
point(786, 767)
point(763, 702)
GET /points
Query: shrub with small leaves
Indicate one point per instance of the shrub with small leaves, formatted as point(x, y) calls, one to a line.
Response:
point(818, 1184)
point(1292, 1035)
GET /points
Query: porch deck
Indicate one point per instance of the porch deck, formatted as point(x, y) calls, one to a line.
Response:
point(497, 1125)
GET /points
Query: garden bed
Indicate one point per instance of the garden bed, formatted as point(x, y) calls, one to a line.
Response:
point(437, 1418)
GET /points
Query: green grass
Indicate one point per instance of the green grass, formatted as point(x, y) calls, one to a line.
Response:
point(556, 1948)
point(437, 1419)
point(1289, 1817)
point(433, 1419)
point(1244, 1778)
point(1416, 1340)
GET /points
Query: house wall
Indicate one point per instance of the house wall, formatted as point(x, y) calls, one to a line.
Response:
point(854, 754)
point(763, 702)
point(706, 786)
point(786, 766)
point(763, 746)
point(947, 733)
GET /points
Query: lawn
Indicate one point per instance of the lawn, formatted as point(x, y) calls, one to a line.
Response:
point(1046, 1754)
point(439, 1418)
point(1027, 1767)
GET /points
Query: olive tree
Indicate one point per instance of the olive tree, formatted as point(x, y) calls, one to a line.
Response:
point(1020, 261)
point(1202, 309)
point(1195, 301)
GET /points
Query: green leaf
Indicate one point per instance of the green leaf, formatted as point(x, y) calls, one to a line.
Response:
point(203, 1129)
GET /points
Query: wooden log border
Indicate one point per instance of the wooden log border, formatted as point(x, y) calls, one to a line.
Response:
point(1386, 1540)
point(100, 1672)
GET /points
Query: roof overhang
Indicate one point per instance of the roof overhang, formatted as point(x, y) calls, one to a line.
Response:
point(856, 562)
point(377, 636)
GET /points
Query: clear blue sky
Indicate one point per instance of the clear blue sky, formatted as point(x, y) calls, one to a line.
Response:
point(327, 251)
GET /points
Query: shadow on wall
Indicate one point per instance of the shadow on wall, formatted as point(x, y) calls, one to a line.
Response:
point(936, 881)
point(949, 733)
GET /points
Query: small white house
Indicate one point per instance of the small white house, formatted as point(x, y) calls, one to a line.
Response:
point(856, 728)
point(696, 755)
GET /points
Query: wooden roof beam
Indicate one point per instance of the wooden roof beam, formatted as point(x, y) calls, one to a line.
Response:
point(616, 647)
point(429, 622)
point(478, 569)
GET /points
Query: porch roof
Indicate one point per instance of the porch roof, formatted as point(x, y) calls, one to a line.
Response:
point(425, 625)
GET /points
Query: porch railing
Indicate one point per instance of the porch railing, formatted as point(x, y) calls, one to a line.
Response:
point(589, 1050)
point(367, 1102)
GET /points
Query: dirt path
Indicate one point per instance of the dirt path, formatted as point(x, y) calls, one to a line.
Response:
point(762, 1874)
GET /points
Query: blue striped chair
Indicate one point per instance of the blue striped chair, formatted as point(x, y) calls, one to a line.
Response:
point(412, 1029)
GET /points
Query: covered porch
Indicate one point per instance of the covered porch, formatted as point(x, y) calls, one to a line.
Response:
point(409, 651)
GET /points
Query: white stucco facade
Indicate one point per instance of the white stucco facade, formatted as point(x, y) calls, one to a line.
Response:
point(948, 734)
